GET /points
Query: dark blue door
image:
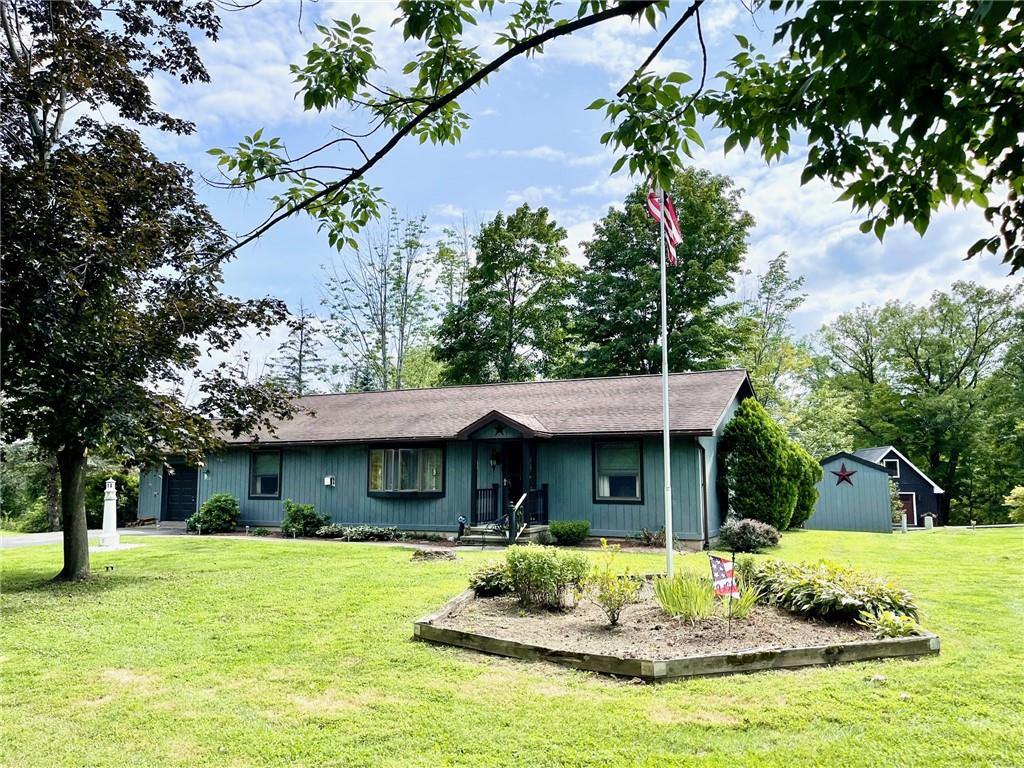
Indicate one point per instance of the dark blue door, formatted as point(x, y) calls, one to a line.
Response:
point(180, 489)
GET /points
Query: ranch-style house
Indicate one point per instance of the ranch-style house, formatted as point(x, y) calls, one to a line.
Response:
point(419, 459)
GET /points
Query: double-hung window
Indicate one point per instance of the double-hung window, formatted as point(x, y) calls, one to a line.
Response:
point(406, 470)
point(265, 475)
point(618, 472)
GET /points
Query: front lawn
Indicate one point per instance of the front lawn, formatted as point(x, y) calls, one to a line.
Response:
point(252, 652)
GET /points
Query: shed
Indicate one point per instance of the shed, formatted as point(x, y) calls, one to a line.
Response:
point(919, 494)
point(853, 495)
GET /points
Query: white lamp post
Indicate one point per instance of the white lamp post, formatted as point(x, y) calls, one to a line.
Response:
point(110, 537)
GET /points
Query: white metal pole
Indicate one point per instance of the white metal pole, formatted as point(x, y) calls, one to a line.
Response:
point(666, 443)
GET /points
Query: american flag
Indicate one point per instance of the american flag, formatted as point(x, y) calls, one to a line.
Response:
point(724, 578)
point(673, 235)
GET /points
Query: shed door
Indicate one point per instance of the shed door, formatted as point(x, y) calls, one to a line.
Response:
point(180, 489)
point(909, 501)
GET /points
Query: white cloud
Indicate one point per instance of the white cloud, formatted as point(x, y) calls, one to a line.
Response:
point(543, 152)
point(618, 186)
point(448, 210)
point(534, 196)
point(617, 47)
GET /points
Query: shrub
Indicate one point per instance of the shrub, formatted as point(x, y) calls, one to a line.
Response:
point(746, 535)
point(491, 579)
point(652, 538)
point(302, 519)
point(261, 531)
point(758, 467)
point(1014, 503)
point(610, 590)
point(828, 591)
point(686, 596)
point(895, 503)
point(888, 624)
point(545, 537)
point(370, 533)
point(127, 495)
point(809, 473)
point(569, 532)
point(541, 576)
point(33, 518)
point(219, 514)
point(330, 531)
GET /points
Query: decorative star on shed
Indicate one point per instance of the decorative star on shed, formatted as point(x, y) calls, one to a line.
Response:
point(844, 474)
point(499, 429)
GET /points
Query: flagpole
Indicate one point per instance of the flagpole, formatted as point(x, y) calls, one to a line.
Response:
point(666, 443)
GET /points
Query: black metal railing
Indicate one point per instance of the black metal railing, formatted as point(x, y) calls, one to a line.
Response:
point(485, 505)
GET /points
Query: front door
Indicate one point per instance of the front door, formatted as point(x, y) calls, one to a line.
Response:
point(909, 501)
point(180, 490)
point(512, 470)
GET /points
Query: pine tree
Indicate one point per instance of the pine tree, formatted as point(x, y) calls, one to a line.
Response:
point(299, 366)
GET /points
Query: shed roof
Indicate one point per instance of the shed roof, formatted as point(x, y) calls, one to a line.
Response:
point(854, 457)
point(569, 407)
point(879, 452)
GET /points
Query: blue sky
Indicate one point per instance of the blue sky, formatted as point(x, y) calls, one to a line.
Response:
point(532, 140)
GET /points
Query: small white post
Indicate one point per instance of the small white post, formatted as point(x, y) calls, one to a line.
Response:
point(903, 522)
point(110, 537)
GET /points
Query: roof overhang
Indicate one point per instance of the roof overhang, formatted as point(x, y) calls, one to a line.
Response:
point(528, 426)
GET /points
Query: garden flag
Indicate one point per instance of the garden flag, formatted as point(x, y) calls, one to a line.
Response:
point(673, 235)
point(724, 577)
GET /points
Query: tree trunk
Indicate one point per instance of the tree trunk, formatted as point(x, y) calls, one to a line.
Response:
point(52, 494)
point(72, 464)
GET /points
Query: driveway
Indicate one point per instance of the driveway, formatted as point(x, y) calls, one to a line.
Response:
point(13, 540)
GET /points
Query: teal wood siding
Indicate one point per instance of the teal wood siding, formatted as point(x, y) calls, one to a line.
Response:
point(863, 506)
point(151, 481)
point(716, 505)
point(567, 467)
point(490, 432)
point(302, 479)
point(486, 475)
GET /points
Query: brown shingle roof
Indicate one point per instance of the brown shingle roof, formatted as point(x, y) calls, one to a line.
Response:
point(614, 405)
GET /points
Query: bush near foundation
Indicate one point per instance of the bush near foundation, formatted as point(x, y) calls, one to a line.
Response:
point(744, 535)
point(760, 468)
point(219, 514)
point(302, 519)
point(569, 532)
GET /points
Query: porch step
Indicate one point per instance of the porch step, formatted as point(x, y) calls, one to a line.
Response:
point(482, 535)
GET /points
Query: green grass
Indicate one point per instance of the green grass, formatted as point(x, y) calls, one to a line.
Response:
point(247, 653)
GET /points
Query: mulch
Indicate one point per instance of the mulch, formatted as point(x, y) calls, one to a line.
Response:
point(644, 630)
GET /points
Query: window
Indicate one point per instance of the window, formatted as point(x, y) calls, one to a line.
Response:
point(618, 473)
point(406, 470)
point(892, 466)
point(265, 475)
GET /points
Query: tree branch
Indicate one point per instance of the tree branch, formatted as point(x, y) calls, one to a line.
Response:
point(624, 9)
point(661, 44)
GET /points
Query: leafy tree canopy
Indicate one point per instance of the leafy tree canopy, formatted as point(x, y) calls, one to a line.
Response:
point(512, 326)
point(905, 106)
point(616, 309)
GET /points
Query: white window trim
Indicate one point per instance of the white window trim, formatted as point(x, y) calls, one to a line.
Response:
point(911, 464)
point(913, 495)
point(886, 462)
